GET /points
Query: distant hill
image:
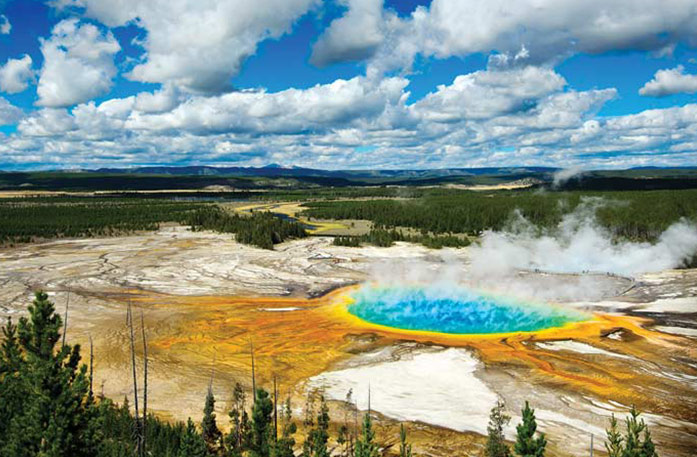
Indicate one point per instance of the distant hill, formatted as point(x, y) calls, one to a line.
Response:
point(275, 170)
point(275, 176)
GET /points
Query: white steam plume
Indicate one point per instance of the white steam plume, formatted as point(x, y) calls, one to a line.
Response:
point(579, 244)
point(506, 261)
point(562, 176)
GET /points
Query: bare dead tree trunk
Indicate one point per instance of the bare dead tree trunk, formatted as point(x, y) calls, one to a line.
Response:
point(65, 319)
point(275, 410)
point(254, 381)
point(137, 437)
point(355, 421)
point(145, 380)
point(210, 381)
point(91, 368)
point(591, 445)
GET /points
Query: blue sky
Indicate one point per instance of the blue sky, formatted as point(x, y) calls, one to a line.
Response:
point(348, 83)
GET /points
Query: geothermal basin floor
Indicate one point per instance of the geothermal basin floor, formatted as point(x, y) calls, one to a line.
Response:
point(204, 296)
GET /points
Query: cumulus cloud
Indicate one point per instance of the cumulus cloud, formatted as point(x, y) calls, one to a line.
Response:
point(550, 28)
point(5, 26)
point(485, 94)
point(517, 111)
point(159, 101)
point(48, 122)
point(677, 121)
point(521, 115)
point(228, 127)
point(196, 44)
point(527, 31)
point(354, 36)
point(567, 110)
point(523, 112)
point(318, 108)
point(16, 74)
point(669, 82)
point(78, 64)
point(9, 114)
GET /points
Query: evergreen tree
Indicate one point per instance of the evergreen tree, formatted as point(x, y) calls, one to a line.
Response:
point(350, 431)
point(209, 429)
point(637, 441)
point(309, 423)
point(192, 444)
point(53, 418)
point(11, 382)
point(261, 424)
point(342, 438)
point(648, 449)
point(527, 445)
point(45, 403)
point(614, 445)
point(496, 442)
point(404, 447)
point(238, 438)
point(285, 444)
point(95, 432)
point(634, 445)
point(365, 444)
point(318, 437)
point(632, 439)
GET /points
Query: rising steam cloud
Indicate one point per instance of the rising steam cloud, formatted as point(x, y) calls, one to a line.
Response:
point(515, 261)
point(579, 244)
point(562, 176)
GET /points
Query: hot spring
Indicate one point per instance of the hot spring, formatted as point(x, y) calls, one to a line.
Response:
point(455, 310)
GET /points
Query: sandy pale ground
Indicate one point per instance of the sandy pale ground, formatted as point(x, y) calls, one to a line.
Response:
point(204, 297)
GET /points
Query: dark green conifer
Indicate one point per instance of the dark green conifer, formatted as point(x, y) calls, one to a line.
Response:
point(11, 381)
point(613, 444)
point(636, 442)
point(648, 449)
point(285, 444)
point(632, 440)
point(365, 444)
point(350, 424)
point(238, 438)
point(404, 447)
point(262, 425)
point(496, 442)
point(192, 443)
point(319, 436)
point(45, 402)
point(634, 445)
point(53, 418)
point(342, 438)
point(209, 429)
point(527, 444)
point(309, 422)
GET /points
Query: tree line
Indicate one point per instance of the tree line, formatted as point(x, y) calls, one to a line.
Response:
point(25, 220)
point(439, 217)
point(28, 219)
point(261, 229)
point(49, 409)
point(383, 237)
point(637, 215)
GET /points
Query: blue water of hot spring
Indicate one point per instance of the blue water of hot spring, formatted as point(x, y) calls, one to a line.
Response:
point(455, 310)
